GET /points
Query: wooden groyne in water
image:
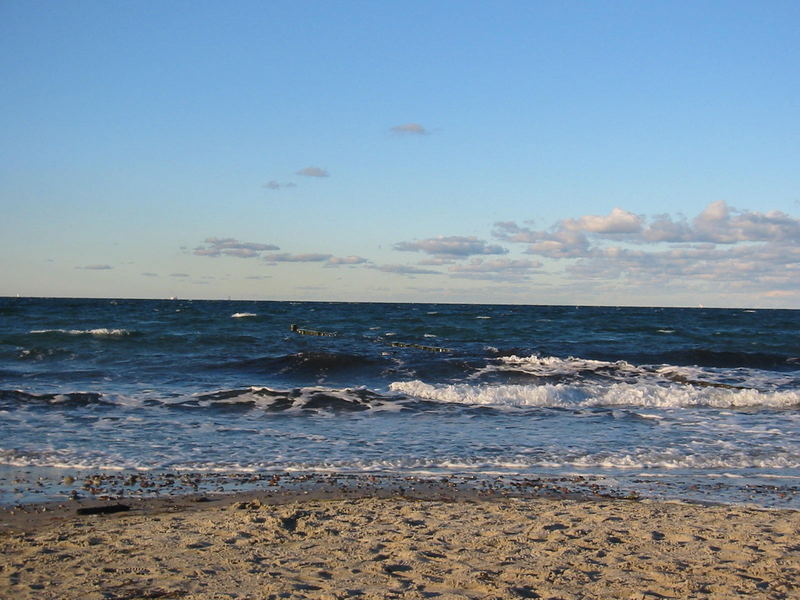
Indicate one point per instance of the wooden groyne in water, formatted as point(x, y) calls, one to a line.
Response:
point(313, 332)
point(296, 329)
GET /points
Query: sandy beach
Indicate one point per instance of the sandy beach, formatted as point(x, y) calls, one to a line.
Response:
point(259, 547)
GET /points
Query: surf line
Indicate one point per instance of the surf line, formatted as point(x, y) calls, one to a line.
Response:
point(295, 329)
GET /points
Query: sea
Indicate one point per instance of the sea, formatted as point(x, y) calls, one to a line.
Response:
point(696, 404)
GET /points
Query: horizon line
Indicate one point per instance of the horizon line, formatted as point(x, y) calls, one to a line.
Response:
point(454, 303)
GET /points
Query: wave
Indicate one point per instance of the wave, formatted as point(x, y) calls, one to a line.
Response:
point(703, 357)
point(60, 459)
point(307, 363)
point(314, 399)
point(639, 461)
point(552, 463)
point(586, 396)
point(41, 354)
point(548, 366)
point(551, 369)
point(98, 332)
point(16, 397)
point(242, 315)
point(648, 459)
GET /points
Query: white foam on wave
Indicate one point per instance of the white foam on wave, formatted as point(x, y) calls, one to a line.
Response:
point(552, 365)
point(655, 464)
point(646, 459)
point(596, 395)
point(318, 399)
point(100, 332)
point(63, 459)
point(242, 315)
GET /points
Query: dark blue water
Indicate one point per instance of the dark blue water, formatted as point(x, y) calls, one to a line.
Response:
point(661, 401)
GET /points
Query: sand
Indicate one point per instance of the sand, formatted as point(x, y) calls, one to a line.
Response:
point(399, 547)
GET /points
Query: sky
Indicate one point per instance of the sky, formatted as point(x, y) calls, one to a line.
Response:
point(524, 152)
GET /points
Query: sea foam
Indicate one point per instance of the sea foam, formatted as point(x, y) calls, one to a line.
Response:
point(100, 332)
point(584, 396)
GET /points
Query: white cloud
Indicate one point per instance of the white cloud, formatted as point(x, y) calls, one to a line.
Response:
point(313, 172)
point(241, 252)
point(410, 129)
point(277, 185)
point(404, 270)
point(335, 261)
point(664, 229)
point(748, 267)
point(561, 244)
point(501, 269)
point(287, 257)
point(450, 246)
point(719, 224)
point(716, 224)
point(721, 250)
point(558, 243)
point(618, 221)
point(232, 247)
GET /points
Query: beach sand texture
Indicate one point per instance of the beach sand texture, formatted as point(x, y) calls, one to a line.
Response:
point(406, 548)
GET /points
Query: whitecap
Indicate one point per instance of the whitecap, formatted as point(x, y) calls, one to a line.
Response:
point(597, 395)
point(100, 332)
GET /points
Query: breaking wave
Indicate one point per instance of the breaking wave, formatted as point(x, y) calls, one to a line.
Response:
point(585, 396)
point(551, 369)
point(98, 332)
point(549, 366)
point(314, 399)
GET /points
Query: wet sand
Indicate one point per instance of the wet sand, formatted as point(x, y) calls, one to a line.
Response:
point(435, 545)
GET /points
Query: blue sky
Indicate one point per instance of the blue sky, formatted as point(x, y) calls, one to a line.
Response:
point(523, 152)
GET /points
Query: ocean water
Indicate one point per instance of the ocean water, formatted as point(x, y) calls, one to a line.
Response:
point(696, 404)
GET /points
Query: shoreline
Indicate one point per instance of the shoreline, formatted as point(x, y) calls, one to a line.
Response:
point(287, 489)
point(52, 486)
point(437, 542)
